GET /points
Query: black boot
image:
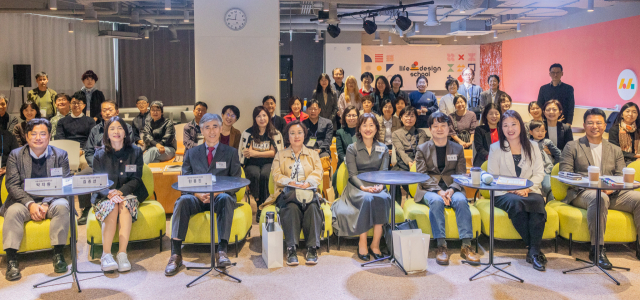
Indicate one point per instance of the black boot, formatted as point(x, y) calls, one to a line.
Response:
point(83, 217)
point(603, 261)
point(59, 264)
point(13, 271)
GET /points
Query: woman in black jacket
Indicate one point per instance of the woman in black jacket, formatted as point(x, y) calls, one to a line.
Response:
point(559, 133)
point(625, 132)
point(95, 97)
point(486, 134)
point(159, 136)
point(118, 204)
point(382, 92)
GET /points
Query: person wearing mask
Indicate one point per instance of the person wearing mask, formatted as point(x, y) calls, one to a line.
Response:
point(43, 96)
point(367, 80)
point(389, 123)
point(229, 135)
point(367, 106)
point(463, 123)
point(269, 103)
point(471, 91)
point(192, 134)
point(492, 95)
point(559, 91)
point(536, 134)
point(338, 85)
point(535, 112)
point(446, 104)
point(117, 206)
point(159, 136)
point(487, 133)
point(28, 111)
point(440, 158)
point(326, 98)
point(401, 103)
point(423, 101)
point(298, 167)
point(215, 158)
point(35, 160)
point(560, 134)
point(625, 132)
point(63, 108)
point(295, 106)
point(258, 145)
point(76, 126)
point(593, 150)
point(345, 136)
point(7, 121)
point(350, 97)
point(94, 96)
point(396, 85)
point(364, 205)
point(140, 121)
point(504, 102)
point(319, 135)
point(382, 92)
point(516, 156)
point(405, 142)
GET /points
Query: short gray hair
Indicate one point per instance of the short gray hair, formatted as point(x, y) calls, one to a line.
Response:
point(2, 96)
point(208, 117)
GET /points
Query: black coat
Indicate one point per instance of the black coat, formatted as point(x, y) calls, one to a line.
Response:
point(565, 134)
point(482, 143)
point(97, 97)
point(8, 143)
point(614, 138)
point(114, 164)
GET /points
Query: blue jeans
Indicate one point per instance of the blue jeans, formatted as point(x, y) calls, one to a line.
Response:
point(436, 214)
point(546, 187)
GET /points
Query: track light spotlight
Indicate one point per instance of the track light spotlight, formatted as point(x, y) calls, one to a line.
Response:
point(333, 30)
point(403, 22)
point(370, 26)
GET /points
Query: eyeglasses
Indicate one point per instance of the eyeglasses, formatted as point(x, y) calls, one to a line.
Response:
point(229, 115)
point(591, 124)
point(155, 110)
point(76, 103)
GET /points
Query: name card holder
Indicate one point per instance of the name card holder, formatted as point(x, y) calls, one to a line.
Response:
point(39, 184)
point(196, 180)
point(90, 181)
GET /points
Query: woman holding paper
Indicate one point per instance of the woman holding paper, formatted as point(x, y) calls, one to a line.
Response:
point(364, 205)
point(122, 162)
point(296, 172)
point(514, 155)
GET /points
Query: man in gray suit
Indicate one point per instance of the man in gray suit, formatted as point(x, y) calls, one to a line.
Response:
point(593, 150)
point(440, 158)
point(35, 160)
point(212, 157)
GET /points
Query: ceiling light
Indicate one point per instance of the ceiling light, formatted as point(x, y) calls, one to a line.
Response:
point(432, 18)
point(495, 34)
point(468, 36)
point(590, 6)
point(416, 28)
point(370, 26)
point(70, 27)
point(317, 39)
point(174, 34)
point(518, 28)
point(53, 4)
point(167, 4)
point(186, 16)
point(462, 11)
point(389, 39)
point(381, 43)
point(325, 6)
point(403, 22)
point(90, 15)
point(455, 38)
point(146, 34)
point(333, 30)
point(376, 36)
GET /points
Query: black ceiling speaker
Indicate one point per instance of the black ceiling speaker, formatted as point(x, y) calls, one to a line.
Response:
point(403, 22)
point(333, 30)
point(370, 26)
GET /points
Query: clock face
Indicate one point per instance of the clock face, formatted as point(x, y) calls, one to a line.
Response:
point(235, 19)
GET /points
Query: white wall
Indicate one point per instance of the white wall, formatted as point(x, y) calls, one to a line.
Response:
point(346, 56)
point(237, 67)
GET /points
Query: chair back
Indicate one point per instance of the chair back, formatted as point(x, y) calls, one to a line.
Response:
point(180, 135)
point(147, 179)
point(342, 178)
point(558, 188)
point(485, 193)
point(635, 165)
point(3, 191)
point(186, 116)
point(413, 187)
point(73, 152)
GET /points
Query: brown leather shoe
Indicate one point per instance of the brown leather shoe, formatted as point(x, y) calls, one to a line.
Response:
point(223, 260)
point(467, 253)
point(173, 267)
point(442, 258)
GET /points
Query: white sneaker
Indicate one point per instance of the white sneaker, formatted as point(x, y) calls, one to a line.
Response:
point(108, 263)
point(123, 262)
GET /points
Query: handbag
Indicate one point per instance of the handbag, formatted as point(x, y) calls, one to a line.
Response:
point(464, 135)
point(386, 230)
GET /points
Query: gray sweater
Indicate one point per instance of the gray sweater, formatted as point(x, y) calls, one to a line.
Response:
point(549, 162)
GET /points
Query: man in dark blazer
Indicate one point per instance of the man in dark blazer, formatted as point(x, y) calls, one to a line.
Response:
point(593, 150)
point(212, 157)
point(440, 158)
point(35, 160)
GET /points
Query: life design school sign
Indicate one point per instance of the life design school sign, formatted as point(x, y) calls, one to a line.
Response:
point(438, 64)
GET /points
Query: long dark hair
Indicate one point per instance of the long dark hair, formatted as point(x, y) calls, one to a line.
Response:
point(625, 107)
point(387, 86)
point(106, 142)
point(524, 141)
point(255, 129)
point(319, 90)
point(485, 113)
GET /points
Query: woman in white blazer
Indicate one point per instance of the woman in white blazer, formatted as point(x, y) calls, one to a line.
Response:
point(515, 156)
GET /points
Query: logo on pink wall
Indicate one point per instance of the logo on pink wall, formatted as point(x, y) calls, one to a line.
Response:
point(627, 84)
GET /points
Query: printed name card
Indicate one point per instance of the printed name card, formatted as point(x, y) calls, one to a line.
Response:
point(39, 184)
point(196, 180)
point(90, 181)
point(511, 181)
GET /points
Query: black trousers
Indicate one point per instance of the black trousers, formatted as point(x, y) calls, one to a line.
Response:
point(527, 215)
point(294, 218)
point(259, 177)
point(188, 205)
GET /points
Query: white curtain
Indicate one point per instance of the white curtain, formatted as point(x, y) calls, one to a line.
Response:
point(45, 43)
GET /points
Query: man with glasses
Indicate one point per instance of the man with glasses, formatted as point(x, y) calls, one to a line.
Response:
point(140, 120)
point(192, 132)
point(76, 126)
point(593, 150)
point(560, 91)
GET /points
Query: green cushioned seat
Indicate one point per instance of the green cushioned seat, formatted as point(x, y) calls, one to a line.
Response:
point(151, 223)
point(36, 234)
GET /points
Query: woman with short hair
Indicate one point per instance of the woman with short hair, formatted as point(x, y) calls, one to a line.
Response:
point(95, 97)
point(396, 85)
point(504, 102)
point(28, 111)
point(229, 135)
point(423, 101)
point(159, 136)
point(446, 104)
point(559, 133)
point(367, 80)
point(463, 123)
point(295, 106)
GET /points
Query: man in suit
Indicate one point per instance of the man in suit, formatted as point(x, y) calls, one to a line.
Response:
point(440, 158)
point(593, 150)
point(212, 157)
point(35, 160)
point(471, 92)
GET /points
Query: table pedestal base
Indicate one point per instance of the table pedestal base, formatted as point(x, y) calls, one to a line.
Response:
point(488, 265)
point(594, 264)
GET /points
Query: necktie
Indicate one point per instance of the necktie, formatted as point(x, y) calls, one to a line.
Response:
point(210, 154)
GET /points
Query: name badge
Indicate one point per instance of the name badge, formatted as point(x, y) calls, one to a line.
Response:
point(452, 157)
point(196, 180)
point(380, 149)
point(56, 171)
point(130, 168)
point(85, 181)
point(37, 184)
point(311, 143)
point(221, 165)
